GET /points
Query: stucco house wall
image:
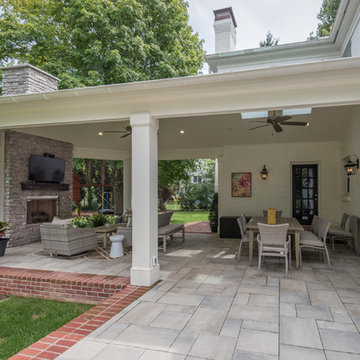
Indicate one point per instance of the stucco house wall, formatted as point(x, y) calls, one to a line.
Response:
point(351, 145)
point(276, 191)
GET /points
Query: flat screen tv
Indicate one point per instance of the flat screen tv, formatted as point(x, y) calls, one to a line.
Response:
point(46, 169)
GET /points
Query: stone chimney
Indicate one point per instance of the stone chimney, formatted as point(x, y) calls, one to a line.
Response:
point(225, 32)
point(26, 79)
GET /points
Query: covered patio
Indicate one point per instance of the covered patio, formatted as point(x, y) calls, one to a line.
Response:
point(207, 109)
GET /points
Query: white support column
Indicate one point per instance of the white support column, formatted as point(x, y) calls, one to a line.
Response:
point(145, 268)
point(127, 184)
point(216, 185)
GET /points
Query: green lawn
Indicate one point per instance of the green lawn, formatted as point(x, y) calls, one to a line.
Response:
point(182, 217)
point(24, 321)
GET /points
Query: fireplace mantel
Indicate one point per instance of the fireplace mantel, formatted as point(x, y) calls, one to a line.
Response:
point(44, 186)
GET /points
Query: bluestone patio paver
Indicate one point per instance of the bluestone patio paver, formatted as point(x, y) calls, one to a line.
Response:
point(210, 306)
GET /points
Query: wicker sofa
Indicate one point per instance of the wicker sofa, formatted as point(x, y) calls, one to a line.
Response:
point(61, 238)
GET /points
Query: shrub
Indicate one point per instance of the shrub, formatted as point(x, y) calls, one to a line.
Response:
point(187, 198)
point(97, 220)
point(213, 214)
point(94, 220)
point(111, 219)
point(81, 222)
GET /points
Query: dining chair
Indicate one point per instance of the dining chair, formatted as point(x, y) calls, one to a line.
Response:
point(244, 233)
point(274, 241)
point(318, 243)
point(339, 233)
point(314, 230)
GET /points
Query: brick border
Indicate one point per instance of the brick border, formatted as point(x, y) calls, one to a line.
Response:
point(60, 340)
point(63, 286)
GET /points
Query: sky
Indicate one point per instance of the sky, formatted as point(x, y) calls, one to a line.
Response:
point(289, 20)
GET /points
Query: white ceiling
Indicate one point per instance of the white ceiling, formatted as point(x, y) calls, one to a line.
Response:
point(209, 131)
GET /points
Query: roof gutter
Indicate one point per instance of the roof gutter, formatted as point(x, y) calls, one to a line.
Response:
point(132, 89)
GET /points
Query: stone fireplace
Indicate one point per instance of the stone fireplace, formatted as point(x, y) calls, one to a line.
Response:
point(28, 204)
point(41, 209)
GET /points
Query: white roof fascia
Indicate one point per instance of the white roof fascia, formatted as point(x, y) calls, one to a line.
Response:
point(166, 86)
point(320, 49)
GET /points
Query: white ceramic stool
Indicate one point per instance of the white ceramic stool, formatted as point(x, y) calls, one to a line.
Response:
point(116, 249)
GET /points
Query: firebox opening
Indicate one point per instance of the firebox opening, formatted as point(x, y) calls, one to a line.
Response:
point(40, 210)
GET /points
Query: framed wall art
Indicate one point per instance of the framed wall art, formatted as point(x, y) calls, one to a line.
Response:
point(241, 184)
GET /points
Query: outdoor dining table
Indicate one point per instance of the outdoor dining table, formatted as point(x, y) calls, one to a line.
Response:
point(294, 229)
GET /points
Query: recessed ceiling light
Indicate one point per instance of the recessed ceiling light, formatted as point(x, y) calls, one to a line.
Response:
point(100, 133)
point(182, 132)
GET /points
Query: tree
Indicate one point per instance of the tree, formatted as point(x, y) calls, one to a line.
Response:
point(270, 40)
point(96, 42)
point(91, 171)
point(327, 15)
point(170, 173)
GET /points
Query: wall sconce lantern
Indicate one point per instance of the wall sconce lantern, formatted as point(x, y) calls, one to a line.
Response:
point(264, 173)
point(351, 166)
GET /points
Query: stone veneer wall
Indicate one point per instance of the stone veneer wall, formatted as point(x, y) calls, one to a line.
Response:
point(18, 147)
point(26, 79)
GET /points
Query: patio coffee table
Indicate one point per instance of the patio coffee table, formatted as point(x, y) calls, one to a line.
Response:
point(105, 231)
point(294, 229)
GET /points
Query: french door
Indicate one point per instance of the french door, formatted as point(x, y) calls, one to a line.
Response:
point(305, 192)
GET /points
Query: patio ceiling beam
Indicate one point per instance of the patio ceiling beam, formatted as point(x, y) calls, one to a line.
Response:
point(320, 84)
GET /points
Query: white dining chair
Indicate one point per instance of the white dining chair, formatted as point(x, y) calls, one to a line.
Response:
point(241, 220)
point(274, 241)
point(319, 243)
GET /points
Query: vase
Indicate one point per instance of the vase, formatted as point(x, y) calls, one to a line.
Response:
point(213, 227)
point(3, 244)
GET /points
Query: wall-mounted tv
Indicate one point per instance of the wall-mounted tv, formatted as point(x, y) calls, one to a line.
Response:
point(46, 169)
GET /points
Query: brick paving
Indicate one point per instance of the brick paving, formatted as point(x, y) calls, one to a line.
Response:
point(201, 227)
point(118, 291)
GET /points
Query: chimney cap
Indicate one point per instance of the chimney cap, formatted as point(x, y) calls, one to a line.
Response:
point(225, 13)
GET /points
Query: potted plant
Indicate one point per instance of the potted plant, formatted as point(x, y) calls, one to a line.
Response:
point(213, 213)
point(3, 239)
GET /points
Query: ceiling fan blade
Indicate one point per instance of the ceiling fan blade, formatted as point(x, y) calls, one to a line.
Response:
point(296, 123)
point(285, 118)
point(277, 128)
point(124, 136)
point(257, 121)
point(257, 127)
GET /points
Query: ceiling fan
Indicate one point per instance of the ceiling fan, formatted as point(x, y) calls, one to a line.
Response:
point(276, 120)
point(126, 131)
